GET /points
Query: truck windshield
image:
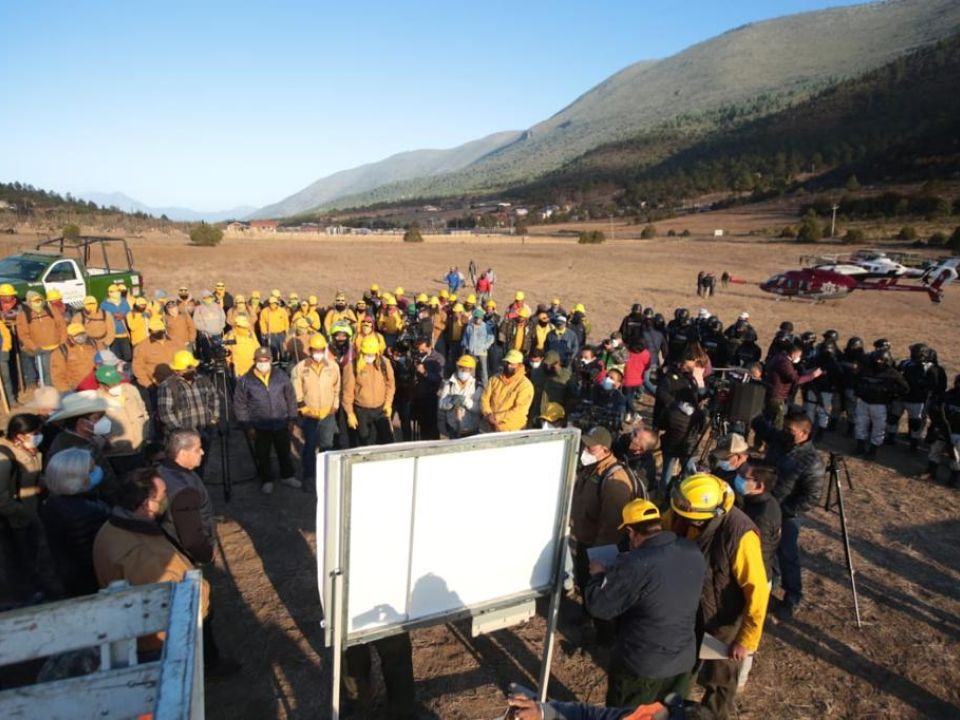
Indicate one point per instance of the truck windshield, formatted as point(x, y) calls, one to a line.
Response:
point(21, 268)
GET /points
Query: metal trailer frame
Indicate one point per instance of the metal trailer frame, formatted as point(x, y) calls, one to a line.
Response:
point(170, 688)
point(337, 551)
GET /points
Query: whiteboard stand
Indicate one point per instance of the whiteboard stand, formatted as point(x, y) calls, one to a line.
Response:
point(337, 519)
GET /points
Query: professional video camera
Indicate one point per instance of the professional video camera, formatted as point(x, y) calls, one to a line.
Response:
point(218, 353)
point(586, 415)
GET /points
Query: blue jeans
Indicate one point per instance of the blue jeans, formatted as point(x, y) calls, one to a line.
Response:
point(315, 433)
point(29, 365)
point(788, 557)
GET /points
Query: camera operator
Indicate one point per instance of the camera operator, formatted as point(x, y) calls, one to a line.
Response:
point(428, 375)
point(589, 373)
point(608, 397)
point(686, 373)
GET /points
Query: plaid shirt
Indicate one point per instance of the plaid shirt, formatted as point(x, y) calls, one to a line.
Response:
point(184, 405)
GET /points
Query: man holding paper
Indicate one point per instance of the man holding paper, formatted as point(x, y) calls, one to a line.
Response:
point(653, 591)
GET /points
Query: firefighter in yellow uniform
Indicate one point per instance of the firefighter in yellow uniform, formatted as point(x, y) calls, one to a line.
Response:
point(507, 397)
point(242, 344)
point(137, 320)
point(338, 313)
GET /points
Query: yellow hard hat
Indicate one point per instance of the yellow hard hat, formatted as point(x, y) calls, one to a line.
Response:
point(312, 300)
point(467, 361)
point(90, 300)
point(398, 292)
point(242, 321)
point(458, 308)
point(579, 308)
point(374, 288)
point(700, 497)
point(111, 288)
point(444, 294)
point(254, 294)
point(524, 312)
point(239, 299)
point(471, 298)
point(552, 412)
point(156, 324)
point(520, 295)
point(637, 511)
point(220, 284)
point(7, 289)
point(275, 293)
point(421, 298)
point(294, 296)
point(53, 294)
point(140, 301)
point(75, 328)
point(301, 324)
point(318, 342)
point(491, 304)
point(514, 357)
point(273, 300)
point(370, 345)
point(184, 359)
point(434, 301)
point(341, 296)
point(389, 299)
point(556, 301)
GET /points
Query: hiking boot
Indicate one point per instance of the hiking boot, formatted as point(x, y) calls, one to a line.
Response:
point(931, 470)
point(954, 481)
point(890, 439)
point(871, 451)
point(266, 488)
point(861, 447)
point(914, 444)
point(291, 482)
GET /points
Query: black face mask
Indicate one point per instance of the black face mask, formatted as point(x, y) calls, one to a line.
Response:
point(509, 370)
point(551, 369)
point(157, 335)
point(340, 306)
point(189, 375)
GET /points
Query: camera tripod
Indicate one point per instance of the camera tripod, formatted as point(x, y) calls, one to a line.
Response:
point(220, 377)
point(834, 487)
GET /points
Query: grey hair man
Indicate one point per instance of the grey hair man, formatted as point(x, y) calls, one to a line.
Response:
point(190, 516)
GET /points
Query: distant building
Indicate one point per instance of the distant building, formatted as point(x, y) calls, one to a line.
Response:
point(718, 233)
point(237, 227)
point(265, 226)
point(521, 212)
point(334, 229)
point(431, 208)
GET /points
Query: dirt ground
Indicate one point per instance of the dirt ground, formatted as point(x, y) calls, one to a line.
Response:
point(903, 663)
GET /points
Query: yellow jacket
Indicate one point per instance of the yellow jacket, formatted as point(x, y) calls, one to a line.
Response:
point(334, 316)
point(274, 320)
point(7, 339)
point(390, 323)
point(317, 387)
point(509, 400)
point(137, 322)
point(311, 316)
point(359, 339)
point(540, 335)
point(241, 354)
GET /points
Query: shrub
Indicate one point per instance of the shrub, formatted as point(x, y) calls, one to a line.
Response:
point(854, 236)
point(413, 234)
point(907, 232)
point(852, 183)
point(685, 233)
point(648, 232)
point(671, 233)
point(71, 230)
point(954, 241)
point(789, 231)
point(810, 231)
point(594, 237)
point(938, 239)
point(206, 235)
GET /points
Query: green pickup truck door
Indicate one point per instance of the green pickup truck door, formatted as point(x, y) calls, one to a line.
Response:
point(65, 275)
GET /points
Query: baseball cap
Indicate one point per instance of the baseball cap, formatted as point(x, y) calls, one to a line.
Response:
point(732, 444)
point(597, 436)
point(108, 375)
point(514, 357)
point(263, 353)
point(551, 357)
point(637, 511)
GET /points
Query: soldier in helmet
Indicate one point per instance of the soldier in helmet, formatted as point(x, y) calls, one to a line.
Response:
point(878, 385)
point(851, 363)
point(945, 432)
point(819, 395)
point(633, 324)
point(680, 333)
point(925, 379)
point(783, 340)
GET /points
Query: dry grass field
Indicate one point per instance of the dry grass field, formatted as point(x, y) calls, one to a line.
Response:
point(904, 662)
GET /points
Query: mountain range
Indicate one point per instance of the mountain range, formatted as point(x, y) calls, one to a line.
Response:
point(130, 205)
point(758, 70)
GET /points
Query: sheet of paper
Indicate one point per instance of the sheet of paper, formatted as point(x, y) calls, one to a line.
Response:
point(604, 554)
point(713, 649)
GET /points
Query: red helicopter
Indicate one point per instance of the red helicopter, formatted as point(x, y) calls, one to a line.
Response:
point(819, 284)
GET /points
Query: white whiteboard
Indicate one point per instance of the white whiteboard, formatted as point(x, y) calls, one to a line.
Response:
point(439, 527)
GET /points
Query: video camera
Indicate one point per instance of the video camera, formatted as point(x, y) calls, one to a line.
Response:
point(219, 352)
point(587, 415)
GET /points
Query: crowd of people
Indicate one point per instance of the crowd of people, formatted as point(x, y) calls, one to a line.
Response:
point(101, 470)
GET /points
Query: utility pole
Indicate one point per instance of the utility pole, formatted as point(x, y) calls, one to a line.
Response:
point(833, 223)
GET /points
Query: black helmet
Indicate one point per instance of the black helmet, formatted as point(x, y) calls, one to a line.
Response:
point(919, 352)
point(635, 309)
point(881, 358)
point(749, 335)
point(648, 312)
point(808, 338)
point(934, 358)
point(715, 325)
point(828, 347)
point(831, 336)
point(855, 343)
point(659, 322)
point(956, 383)
point(786, 326)
point(881, 344)
point(681, 314)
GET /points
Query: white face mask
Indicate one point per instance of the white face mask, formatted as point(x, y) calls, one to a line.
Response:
point(536, 363)
point(724, 465)
point(463, 375)
point(35, 440)
point(587, 458)
point(608, 384)
point(116, 391)
point(102, 426)
point(369, 359)
point(319, 357)
point(549, 426)
point(263, 367)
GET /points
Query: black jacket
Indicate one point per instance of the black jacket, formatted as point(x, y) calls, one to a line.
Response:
point(654, 592)
point(881, 386)
point(764, 510)
point(71, 523)
point(800, 474)
point(267, 407)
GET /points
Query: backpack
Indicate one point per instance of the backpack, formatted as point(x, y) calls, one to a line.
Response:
point(16, 472)
point(639, 490)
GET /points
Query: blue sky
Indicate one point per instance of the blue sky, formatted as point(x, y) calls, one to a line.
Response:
point(210, 104)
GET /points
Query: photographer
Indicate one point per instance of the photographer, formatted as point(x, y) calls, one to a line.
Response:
point(589, 372)
point(609, 400)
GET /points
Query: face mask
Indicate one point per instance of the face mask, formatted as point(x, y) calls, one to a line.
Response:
point(116, 391)
point(37, 306)
point(509, 370)
point(795, 360)
point(340, 306)
point(369, 359)
point(586, 361)
point(587, 458)
point(208, 301)
point(547, 425)
point(102, 426)
point(724, 465)
point(319, 357)
point(536, 363)
point(96, 476)
point(35, 440)
point(80, 339)
point(608, 384)
point(463, 375)
point(740, 485)
point(264, 367)
point(113, 296)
